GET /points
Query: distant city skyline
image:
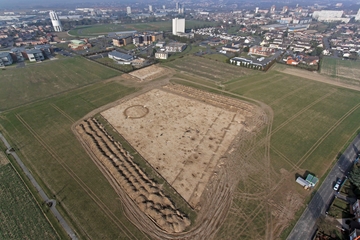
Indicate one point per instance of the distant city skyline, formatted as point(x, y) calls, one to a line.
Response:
point(18, 4)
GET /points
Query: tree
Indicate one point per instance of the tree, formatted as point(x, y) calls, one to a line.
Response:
point(354, 176)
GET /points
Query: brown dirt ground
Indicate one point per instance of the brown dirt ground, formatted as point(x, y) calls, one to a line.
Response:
point(3, 159)
point(216, 198)
point(149, 73)
point(181, 138)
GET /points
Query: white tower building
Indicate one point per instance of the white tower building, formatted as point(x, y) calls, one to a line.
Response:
point(150, 8)
point(55, 21)
point(178, 26)
point(256, 9)
point(128, 10)
point(272, 9)
point(357, 16)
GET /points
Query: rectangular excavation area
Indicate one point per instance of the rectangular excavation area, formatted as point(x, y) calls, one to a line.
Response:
point(181, 138)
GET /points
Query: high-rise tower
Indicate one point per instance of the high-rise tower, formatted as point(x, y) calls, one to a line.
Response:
point(55, 21)
point(178, 25)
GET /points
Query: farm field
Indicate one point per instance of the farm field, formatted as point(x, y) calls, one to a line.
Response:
point(346, 71)
point(307, 125)
point(45, 79)
point(311, 123)
point(21, 217)
point(42, 132)
point(95, 30)
point(208, 68)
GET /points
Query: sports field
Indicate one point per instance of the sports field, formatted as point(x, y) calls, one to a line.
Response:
point(346, 71)
point(37, 81)
point(20, 216)
point(95, 30)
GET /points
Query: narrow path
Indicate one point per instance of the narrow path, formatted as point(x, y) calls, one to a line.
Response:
point(41, 192)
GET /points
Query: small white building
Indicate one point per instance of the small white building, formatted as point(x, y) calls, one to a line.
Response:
point(175, 47)
point(161, 55)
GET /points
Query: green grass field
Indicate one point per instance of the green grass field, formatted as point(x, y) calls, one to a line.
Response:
point(45, 79)
point(346, 71)
point(49, 148)
point(20, 216)
point(95, 30)
point(208, 68)
point(312, 123)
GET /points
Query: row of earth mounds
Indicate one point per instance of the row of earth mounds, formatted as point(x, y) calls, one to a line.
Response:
point(142, 190)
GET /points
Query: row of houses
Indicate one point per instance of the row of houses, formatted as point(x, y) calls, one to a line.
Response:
point(20, 54)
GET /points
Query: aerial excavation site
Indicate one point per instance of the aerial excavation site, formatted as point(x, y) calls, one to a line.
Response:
point(185, 136)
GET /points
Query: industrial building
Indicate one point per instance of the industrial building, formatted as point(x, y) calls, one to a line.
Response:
point(175, 47)
point(55, 21)
point(118, 56)
point(330, 16)
point(178, 26)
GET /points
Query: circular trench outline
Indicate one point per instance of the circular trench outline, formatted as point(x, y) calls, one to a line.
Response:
point(136, 117)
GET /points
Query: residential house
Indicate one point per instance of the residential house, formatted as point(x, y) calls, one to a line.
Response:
point(46, 49)
point(35, 55)
point(18, 54)
point(262, 51)
point(5, 59)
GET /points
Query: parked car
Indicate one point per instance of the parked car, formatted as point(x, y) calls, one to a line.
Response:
point(337, 185)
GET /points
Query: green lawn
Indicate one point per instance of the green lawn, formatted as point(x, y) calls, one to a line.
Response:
point(346, 71)
point(20, 216)
point(340, 209)
point(216, 57)
point(208, 68)
point(41, 80)
point(94, 30)
point(42, 133)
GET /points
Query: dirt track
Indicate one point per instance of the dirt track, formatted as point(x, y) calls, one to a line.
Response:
point(147, 209)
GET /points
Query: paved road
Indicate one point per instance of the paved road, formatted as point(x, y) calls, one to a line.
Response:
point(306, 225)
point(39, 189)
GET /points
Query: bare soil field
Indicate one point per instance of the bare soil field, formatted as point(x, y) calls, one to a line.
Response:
point(187, 136)
point(3, 159)
point(150, 73)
